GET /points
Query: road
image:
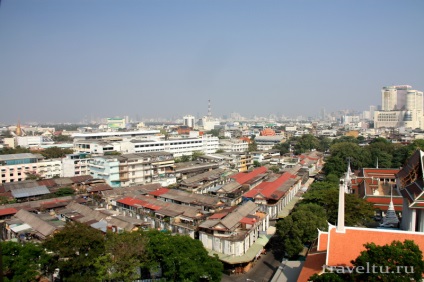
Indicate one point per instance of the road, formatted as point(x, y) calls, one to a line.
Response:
point(262, 271)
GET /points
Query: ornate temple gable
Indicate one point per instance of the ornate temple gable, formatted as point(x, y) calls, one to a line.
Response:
point(411, 180)
point(412, 171)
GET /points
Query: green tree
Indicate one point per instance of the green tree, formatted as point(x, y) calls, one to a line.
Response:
point(284, 148)
point(341, 152)
point(65, 191)
point(62, 138)
point(325, 194)
point(306, 143)
point(328, 277)
point(256, 164)
point(32, 176)
point(55, 152)
point(253, 146)
point(324, 144)
point(17, 150)
point(76, 248)
point(24, 262)
point(125, 254)
point(274, 168)
point(395, 262)
point(214, 132)
point(181, 258)
point(183, 159)
point(196, 155)
point(346, 139)
point(300, 227)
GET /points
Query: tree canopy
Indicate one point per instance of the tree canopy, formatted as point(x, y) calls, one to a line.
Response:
point(395, 262)
point(326, 194)
point(300, 227)
point(24, 262)
point(55, 152)
point(181, 258)
point(76, 248)
point(84, 253)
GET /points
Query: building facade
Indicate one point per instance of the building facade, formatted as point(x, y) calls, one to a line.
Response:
point(17, 167)
point(134, 169)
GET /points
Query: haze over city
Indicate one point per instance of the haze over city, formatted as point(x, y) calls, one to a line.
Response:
point(63, 60)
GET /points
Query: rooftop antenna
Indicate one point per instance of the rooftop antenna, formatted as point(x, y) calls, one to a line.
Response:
point(209, 109)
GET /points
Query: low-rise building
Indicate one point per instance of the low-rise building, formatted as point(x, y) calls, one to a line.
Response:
point(17, 167)
point(236, 235)
point(134, 169)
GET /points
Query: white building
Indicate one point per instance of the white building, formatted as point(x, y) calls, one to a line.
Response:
point(117, 134)
point(208, 123)
point(75, 165)
point(233, 234)
point(401, 107)
point(134, 169)
point(233, 145)
point(207, 144)
point(189, 121)
point(16, 167)
point(33, 141)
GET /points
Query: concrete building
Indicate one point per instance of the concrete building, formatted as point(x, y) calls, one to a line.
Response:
point(118, 134)
point(237, 237)
point(16, 167)
point(207, 144)
point(233, 145)
point(75, 165)
point(116, 123)
point(401, 107)
point(134, 169)
point(189, 121)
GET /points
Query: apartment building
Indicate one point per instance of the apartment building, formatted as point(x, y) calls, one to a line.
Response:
point(134, 169)
point(233, 145)
point(207, 144)
point(75, 165)
point(16, 167)
point(237, 236)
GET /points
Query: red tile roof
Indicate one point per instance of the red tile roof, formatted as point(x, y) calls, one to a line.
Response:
point(248, 220)
point(242, 177)
point(47, 182)
point(159, 191)
point(81, 178)
point(339, 254)
point(137, 203)
point(8, 211)
point(322, 241)
point(218, 215)
point(312, 265)
point(269, 189)
point(99, 187)
point(54, 204)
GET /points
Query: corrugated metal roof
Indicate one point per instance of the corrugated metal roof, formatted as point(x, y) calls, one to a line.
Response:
point(28, 192)
point(19, 228)
point(17, 156)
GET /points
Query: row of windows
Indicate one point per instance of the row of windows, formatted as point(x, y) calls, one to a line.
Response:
point(172, 144)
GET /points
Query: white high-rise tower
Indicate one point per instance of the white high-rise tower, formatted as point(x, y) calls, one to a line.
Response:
point(189, 121)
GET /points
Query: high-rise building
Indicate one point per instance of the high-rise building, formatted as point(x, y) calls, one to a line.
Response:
point(401, 107)
point(189, 121)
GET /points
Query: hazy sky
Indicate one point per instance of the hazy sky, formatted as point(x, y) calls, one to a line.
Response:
point(63, 60)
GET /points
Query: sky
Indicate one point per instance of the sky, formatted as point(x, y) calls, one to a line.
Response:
point(63, 60)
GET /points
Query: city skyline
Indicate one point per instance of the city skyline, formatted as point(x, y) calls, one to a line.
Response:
point(63, 61)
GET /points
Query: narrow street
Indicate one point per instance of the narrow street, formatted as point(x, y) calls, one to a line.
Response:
point(262, 271)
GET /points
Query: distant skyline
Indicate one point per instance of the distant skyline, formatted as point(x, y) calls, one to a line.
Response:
point(62, 61)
